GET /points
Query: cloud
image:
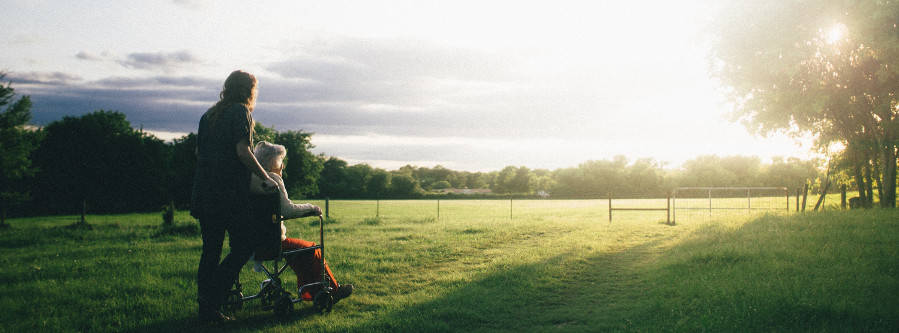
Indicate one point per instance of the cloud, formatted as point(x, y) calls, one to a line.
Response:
point(191, 4)
point(42, 78)
point(356, 86)
point(159, 60)
point(82, 55)
point(165, 103)
point(390, 71)
point(352, 86)
point(391, 60)
point(157, 82)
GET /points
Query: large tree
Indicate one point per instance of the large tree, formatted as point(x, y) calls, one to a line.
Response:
point(828, 68)
point(100, 159)
point(404, 186)
point(16, 145)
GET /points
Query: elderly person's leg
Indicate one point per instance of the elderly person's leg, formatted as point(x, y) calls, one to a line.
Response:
point(307, 266)
point(213, 233)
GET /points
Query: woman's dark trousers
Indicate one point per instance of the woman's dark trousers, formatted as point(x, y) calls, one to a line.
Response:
point(214, 278)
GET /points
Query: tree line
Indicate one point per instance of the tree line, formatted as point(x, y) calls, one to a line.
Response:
point(101, 160)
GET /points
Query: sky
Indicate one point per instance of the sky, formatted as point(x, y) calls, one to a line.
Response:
point(469, 85)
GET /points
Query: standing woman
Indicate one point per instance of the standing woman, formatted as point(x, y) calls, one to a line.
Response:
point(221, 187)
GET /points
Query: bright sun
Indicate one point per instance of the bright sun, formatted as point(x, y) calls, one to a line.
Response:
point(836, 33)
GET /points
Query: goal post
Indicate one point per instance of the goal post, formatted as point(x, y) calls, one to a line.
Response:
point(692, 200)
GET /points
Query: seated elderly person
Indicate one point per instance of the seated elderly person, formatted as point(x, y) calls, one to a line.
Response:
point(306, 265)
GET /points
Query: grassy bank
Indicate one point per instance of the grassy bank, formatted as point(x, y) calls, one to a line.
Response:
point(549, 269)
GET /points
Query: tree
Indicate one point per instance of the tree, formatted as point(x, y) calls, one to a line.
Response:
point(262, 133)
point(792, 173)
point(441, 185)
point(829, 70)
point(503, 181)
point(428, 176)
point(332, 181)
point(302, 167)
point(182, 166)
point(358, 176)
point(542, 180)
point(99, 159)
point(16, 145)
point(476, 180)
point(378, 184)
point(404, 186)
point(521, 182)
point(645, 177)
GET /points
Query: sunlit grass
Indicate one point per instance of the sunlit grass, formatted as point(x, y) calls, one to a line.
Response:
point(555, 265)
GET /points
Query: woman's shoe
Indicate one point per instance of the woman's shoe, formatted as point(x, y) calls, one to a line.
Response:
point(209, 313)
point(344, 291)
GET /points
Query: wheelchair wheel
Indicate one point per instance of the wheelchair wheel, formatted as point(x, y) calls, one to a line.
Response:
point(323, 301)
point(283, 304)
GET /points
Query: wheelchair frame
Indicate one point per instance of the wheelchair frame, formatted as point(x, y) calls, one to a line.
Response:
point(272, 293)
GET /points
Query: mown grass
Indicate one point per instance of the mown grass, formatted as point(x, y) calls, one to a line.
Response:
point(556, 266)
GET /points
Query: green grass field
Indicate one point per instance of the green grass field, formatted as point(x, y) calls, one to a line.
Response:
point(555, 266)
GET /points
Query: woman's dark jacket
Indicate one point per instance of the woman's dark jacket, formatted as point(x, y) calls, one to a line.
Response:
point(222, 182)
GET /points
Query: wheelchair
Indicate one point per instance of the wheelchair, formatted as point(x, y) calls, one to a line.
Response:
point(266, 218)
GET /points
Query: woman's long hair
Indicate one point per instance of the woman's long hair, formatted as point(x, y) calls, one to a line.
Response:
point(240, 88)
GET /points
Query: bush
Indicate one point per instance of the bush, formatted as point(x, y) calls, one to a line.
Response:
point(168, 214)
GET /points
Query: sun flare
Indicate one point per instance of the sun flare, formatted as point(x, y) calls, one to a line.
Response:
point(836, 33)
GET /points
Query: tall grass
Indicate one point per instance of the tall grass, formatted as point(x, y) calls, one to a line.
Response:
point(555, 266)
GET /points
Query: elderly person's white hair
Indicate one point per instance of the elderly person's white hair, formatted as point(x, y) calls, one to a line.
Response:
point(269, 154)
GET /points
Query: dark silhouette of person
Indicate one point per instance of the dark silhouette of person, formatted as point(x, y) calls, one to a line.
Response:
point(219, 199)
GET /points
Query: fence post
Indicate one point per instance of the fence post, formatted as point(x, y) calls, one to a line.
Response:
point(787, 193)
point(749, 200)
point(710, 202)
point(804, 196)
point(843, 196)
point(327, 207)
point(798, 191)
point(674, 206)
point(438, 209)
point(610, 207)
point(668, 208)
point(378, 208)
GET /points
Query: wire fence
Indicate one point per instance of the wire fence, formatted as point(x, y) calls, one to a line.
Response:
point(684, 203)
point(604, 209)
point(694, 202)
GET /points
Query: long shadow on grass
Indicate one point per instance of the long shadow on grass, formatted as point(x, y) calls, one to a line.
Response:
point(248, 320)
point(533, 297)
point(709, 288)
